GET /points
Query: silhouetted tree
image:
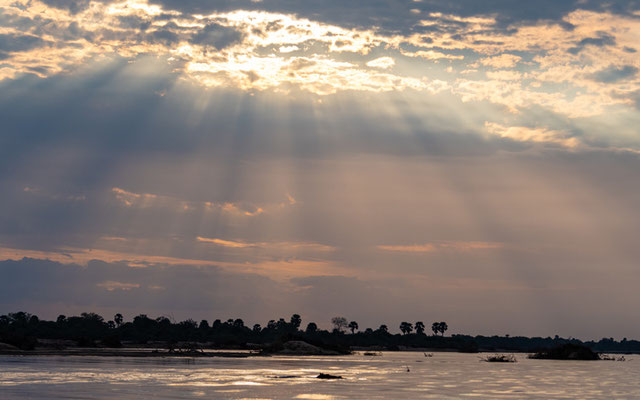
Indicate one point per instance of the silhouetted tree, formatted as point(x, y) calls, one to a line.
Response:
point(368, 331)
point(383, 329)
point(92, 317)
point(353, 325)
point(339, 323)
point(443, 327)
point(419, 327)
point(435, 327)
point(406, 327)
point(118, 319)
point(257, 328)
point(296, 321)
point(19, 318)
point(238, 323)
point(111, 324)
point(189, 324)
point(312, 327)
point(61, 319)
point(204, 325)
point(271, 324)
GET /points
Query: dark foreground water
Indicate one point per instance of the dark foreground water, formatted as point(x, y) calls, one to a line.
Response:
point(443, 376)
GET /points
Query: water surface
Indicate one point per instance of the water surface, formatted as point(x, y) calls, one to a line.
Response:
point(392, 375)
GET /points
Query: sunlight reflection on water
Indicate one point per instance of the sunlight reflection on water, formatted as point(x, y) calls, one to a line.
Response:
point(443, 376)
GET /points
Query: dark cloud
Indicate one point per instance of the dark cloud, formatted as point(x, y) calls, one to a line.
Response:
point(19, 42)
point(134, 22)
point(615, 74)
point(73, 6)
point(181, 291)
point(601, 41)
point(396, 16)
point(164, 36)
point(604, 39)
point(217, 36)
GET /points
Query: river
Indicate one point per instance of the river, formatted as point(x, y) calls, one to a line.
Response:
point(394, 375)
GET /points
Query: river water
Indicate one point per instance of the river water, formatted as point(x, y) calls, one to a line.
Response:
point(394, 375)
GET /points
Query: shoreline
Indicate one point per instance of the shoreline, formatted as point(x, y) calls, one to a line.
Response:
point(142, 353)
point(137, 353)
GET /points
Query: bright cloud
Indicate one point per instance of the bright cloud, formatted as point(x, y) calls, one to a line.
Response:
point(259, 50)
point(149, 200)
point(382, 62)
point(279, 246)
point(442, 246)
point(534, 135)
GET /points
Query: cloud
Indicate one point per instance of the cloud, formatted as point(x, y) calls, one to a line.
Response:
point(148, 200)
point(253, 49)
point(113, 286)
point(226, 243)
point(263, 262)
point(501, 61)
point(73, 6)
point(382, 62)
point(279, 246)
point(614, 74)
point(442, 246)
point(533, 135)
point(217, 36)
point(19, 42)
point(51, 288)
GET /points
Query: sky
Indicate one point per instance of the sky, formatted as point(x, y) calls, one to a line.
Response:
point(386, 161)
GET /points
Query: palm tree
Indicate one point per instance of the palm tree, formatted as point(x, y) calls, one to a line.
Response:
point(353, 325)
point(442, 327)
point(118, 319)
point(419, 327)
point(406, 327)
point(435, 327)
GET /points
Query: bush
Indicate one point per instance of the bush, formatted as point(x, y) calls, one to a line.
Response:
point(567, 351)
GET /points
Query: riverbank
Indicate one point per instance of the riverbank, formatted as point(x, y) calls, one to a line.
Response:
point(139, 352)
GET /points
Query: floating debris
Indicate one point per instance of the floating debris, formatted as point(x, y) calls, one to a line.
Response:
point(500, 358)
point(328, 376)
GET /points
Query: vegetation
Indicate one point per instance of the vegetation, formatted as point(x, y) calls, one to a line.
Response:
point(500, 358)
point(441, 327)
point(27, 331)
point(567, 351)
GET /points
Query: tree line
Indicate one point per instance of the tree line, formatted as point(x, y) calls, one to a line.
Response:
point(89, 329)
